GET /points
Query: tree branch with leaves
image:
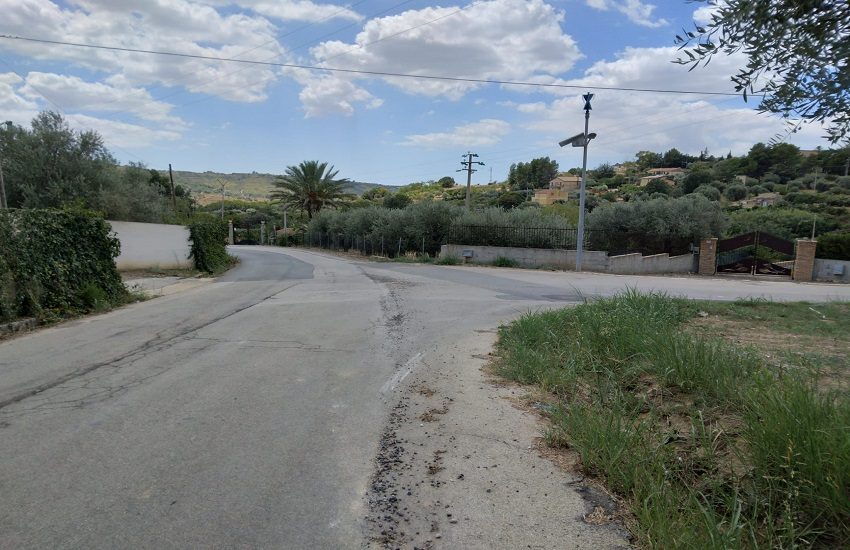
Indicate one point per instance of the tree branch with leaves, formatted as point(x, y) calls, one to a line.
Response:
point(797, 51)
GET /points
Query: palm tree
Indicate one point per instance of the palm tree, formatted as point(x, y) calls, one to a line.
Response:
point(310, 186)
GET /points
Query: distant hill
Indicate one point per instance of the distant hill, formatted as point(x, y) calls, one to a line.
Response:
point(253, 186)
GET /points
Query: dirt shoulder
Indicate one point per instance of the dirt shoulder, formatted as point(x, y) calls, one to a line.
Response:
point(461, 465)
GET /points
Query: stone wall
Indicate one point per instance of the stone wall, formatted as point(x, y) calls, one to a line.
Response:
point(594, 260)
point(152, 246)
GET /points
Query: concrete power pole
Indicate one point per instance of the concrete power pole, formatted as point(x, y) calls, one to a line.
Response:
point(171, 177)
point(468, 164)
point(3, 204)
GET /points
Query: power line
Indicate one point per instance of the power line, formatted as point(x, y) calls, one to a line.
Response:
point(367, 72)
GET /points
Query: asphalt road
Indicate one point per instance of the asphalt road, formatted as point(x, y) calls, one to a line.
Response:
point(248, 412)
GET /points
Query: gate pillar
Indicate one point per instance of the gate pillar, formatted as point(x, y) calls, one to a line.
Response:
point(708, 257)
point(804, 260)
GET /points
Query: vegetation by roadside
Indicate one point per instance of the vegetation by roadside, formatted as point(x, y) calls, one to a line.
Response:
point(208, 237)
point(57, 263)
point(721, 425)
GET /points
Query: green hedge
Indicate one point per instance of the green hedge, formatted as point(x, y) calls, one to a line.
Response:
point(834, 246)
point(58, 261)
point(208, 238)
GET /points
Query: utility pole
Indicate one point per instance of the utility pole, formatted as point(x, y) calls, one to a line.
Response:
point(468, 164)
point(171, 177)
point(222, 198)
point(3, 204)
point(581, 199)
point(581, 140)
point(847, 167)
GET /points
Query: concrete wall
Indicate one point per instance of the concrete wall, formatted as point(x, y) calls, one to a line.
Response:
point(633, 264)
point(529, 257)
point(627, 264)
point(152, 245)
point(825, 271)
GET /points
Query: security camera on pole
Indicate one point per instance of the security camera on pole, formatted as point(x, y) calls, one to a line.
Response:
point(581, 140)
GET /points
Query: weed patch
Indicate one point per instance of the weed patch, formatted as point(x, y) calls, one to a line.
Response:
point(447, 260)
point(502, 261)
point(712, 443)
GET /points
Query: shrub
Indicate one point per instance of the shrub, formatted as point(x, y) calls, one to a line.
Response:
point(655, 226)
point(208, 237)
point(834, 246)
point(502, 261)
point(448, 260)
point(736, 192)
point(788, 223)
point(708, 191)
point(60, 261)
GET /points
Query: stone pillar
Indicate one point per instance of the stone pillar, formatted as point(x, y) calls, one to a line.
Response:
point(804, 262)
point(263, 232)
point(229, 231)
point(708, 257)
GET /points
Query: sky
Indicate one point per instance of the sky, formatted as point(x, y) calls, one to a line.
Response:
point(227, 117)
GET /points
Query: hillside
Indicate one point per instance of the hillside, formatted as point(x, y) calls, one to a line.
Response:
point(250, 186)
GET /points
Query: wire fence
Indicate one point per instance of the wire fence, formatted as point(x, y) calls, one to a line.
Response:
point(486, 235)
point(519, 237)
point(368, 245)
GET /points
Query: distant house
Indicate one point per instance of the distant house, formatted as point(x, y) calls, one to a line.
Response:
point(559, 189)
point(806, 153)
point(665, 171)
point(761, 200)
point(644, 181)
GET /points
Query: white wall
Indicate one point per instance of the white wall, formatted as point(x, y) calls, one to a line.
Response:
point(152, 246)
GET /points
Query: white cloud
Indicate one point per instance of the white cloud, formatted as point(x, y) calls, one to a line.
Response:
point(292, 10)
point(495, 39)
point(302, 10)
point(122, 134)
point(537, 107)
point(21, 100)
point(487, 131)
point(702, 15)
point(637, 11)
point(628, 122)
point(324, 94)
point(73, 93)
point(174, 25)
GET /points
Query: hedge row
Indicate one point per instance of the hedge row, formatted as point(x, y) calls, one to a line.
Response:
point(834, 246)
point(208, 237)
point(57, 261)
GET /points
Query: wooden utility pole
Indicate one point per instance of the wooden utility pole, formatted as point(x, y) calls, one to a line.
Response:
point(468, 164)
point(171, 177)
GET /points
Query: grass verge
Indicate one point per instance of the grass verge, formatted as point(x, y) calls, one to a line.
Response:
point(713, 443)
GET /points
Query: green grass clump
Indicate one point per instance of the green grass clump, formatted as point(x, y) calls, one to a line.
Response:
point(503, 261)
point(711, 444)
point(447, 260)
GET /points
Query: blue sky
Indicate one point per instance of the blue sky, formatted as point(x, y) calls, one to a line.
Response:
point(211, 115)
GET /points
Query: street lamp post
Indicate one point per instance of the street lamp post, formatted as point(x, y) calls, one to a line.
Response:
point(581, 140)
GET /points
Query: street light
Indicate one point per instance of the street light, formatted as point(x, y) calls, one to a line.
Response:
point(581, 140)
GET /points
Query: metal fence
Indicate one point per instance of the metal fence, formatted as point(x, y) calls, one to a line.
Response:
point(566, 238)
point(368, 245)
point(519, 237)
point(486, 235)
